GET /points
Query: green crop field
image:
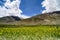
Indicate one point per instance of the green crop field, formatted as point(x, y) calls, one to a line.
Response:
point(30, 32)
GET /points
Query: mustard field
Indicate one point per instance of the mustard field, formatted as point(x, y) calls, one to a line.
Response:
point(39, 32)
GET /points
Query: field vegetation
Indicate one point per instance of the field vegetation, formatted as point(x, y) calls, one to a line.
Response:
point(29, 32)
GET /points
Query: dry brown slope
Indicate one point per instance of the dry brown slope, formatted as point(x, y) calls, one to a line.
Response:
point(52, 18)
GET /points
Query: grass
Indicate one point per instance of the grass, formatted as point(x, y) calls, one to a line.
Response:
point(29, 32)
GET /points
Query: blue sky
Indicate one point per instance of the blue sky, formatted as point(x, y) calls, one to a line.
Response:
point(31, 7)
point(2, 2)
point(28, 7)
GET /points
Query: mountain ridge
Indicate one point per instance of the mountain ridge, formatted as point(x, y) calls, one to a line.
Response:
point(9, 19)
point(51, 18)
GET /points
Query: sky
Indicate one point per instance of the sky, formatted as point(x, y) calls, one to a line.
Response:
point(51, 5)
point(31, 7)
point(27, 8)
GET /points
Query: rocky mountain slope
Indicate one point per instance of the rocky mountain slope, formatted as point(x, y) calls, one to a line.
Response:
point(51, 18)
point(8, 19)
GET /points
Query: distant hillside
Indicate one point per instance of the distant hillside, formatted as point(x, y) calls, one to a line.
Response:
point(51, 18)
point(8, 19)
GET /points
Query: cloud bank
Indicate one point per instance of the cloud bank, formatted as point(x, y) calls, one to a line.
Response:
point(11, 9)
point(51, 5)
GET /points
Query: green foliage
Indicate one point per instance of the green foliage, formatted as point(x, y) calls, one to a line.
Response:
point(29, 32)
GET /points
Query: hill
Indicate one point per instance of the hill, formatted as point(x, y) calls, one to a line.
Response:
point(51, 18)
point(9, 19)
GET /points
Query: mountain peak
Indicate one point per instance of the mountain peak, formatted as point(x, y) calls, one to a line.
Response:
point(52, 18)
point(56, 12)
point(9, 19)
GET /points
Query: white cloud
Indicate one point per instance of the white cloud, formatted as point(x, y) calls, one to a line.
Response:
point(11, 9)
point(24, 16)
point(51, 5)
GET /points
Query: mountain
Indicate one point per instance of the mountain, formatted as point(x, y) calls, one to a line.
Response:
point(8, 19)
point(51, 18)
